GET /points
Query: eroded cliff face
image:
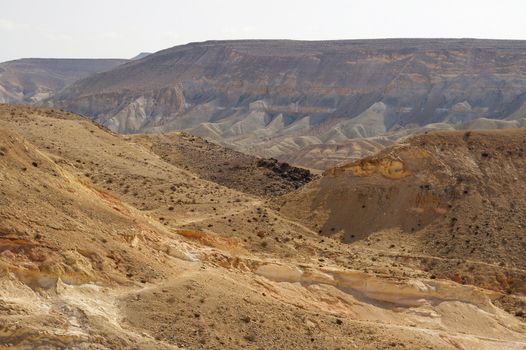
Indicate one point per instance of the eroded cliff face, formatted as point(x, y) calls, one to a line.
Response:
point(276, 97)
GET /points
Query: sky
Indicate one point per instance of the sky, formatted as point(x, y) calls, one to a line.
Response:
point(122, 29)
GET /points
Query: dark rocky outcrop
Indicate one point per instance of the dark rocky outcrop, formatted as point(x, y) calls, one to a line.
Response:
point(227, 167)
point(296, 176)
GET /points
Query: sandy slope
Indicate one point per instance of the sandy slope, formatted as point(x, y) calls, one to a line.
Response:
point(104, 245)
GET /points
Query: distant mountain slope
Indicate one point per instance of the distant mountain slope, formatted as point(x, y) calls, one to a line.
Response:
point(141, 55)
point(31, 80)
point(275, 97)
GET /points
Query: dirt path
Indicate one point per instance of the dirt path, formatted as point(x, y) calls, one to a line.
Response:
point(250, 206)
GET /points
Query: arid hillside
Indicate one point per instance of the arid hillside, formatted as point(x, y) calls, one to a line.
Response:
point(455, 198)
point(31, 80)
point(276, 98)
point(110, 241)
point(249, 174)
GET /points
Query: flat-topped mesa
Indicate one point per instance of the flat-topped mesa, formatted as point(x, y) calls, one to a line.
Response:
point(275, 98)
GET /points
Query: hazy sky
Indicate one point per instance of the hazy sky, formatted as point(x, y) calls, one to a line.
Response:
point(118, 28)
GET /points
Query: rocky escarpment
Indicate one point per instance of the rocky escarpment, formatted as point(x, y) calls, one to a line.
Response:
point(31, 80)
point(274, 98)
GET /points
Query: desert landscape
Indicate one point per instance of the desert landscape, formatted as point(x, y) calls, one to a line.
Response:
point(109, 241)
point(233, 175)
point(312, 103)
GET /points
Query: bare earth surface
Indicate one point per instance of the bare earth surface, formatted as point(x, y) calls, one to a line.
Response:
point(109, 242)
point(249, 174)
